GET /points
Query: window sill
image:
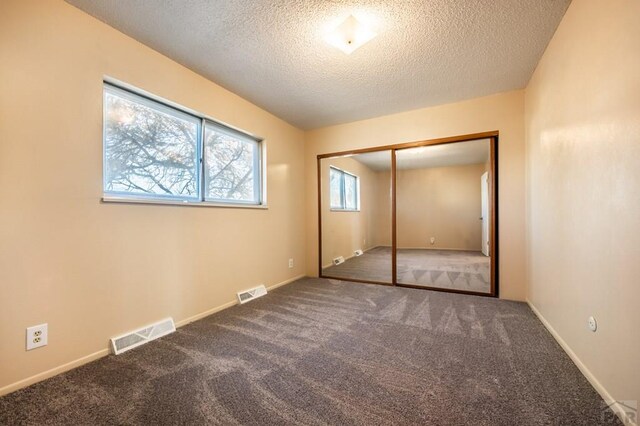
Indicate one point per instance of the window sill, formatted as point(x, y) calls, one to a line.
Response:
point(127, 200)
point(345, 210)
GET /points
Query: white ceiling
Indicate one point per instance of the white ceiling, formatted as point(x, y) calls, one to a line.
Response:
point(451, 154)
point(272, 52)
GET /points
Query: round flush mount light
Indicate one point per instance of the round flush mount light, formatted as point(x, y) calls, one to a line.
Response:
point(350, 35)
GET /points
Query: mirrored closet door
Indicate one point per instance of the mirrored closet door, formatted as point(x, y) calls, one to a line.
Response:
point(418, 214)
point(355, 217)
point(443, 216)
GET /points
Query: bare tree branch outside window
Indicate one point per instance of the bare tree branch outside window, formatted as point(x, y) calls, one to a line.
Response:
point(152, 149)
point(148, 151)
point(230, 173)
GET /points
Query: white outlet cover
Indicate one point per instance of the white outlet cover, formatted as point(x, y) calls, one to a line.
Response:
point(593, 324)
point(37, 336)
point(290, 263)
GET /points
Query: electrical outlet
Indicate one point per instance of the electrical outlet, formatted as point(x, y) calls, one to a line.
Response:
point(37, 336)
point(290, 263)
point(593, 324)
point(433, 240)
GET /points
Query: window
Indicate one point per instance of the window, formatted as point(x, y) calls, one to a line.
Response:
point(232, 167)
point(343, 190)
point(153, 151)
point(149, 149)
point(337, 200)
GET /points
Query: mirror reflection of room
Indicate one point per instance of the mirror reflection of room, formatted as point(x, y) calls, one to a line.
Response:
point(356, 217)
point(443, 217)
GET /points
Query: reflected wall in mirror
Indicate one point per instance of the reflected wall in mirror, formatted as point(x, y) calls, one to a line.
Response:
point(356, 217)
point(443, 217)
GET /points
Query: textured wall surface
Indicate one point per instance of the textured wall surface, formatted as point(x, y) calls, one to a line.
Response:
point(583, 157)
point(274, 53)
point(92, 270)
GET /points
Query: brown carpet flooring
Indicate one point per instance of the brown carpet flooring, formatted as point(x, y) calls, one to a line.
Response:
point(452, 269)
point(320, 352)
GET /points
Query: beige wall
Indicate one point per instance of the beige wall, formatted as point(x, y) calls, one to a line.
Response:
point(583, 180)
point(346, 231)
point(95, 270)
point(503, 112)
point(382, 235)
point(443, 202)
point(440, 202)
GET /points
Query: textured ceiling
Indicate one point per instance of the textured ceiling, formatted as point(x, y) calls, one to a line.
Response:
point(450, 154)
point(272, 52)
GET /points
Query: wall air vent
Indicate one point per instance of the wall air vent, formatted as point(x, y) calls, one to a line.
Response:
point(358, 252)
point(338, 260)
point(144, 335)
point(253, 293)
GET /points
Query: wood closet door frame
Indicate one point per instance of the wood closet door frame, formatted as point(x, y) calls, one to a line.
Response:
point(494, 251)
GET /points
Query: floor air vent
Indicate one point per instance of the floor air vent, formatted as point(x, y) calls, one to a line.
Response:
point(338, 260)
point(139, 337)
point(358, 252)
point(253, 293)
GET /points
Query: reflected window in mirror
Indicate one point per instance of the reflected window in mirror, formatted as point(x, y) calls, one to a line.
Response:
point(344, 192)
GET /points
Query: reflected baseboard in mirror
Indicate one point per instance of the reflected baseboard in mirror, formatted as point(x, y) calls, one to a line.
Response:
point(443, 212)
point(355, 217)
point(374, 265)
point(420, 215)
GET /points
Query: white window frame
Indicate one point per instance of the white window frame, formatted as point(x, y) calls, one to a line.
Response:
point(136, 95)
point(257, 164)
point(343, 192)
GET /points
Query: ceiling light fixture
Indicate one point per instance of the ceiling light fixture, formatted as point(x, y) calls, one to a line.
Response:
point(349, 35)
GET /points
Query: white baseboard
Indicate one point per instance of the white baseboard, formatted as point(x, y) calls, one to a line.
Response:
point(104, 352)
point(437, 248)
point(206, 313)
point(330, 264)
point(212, 311)
point(53, 372)
point(615, 406)
point(285, 282)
